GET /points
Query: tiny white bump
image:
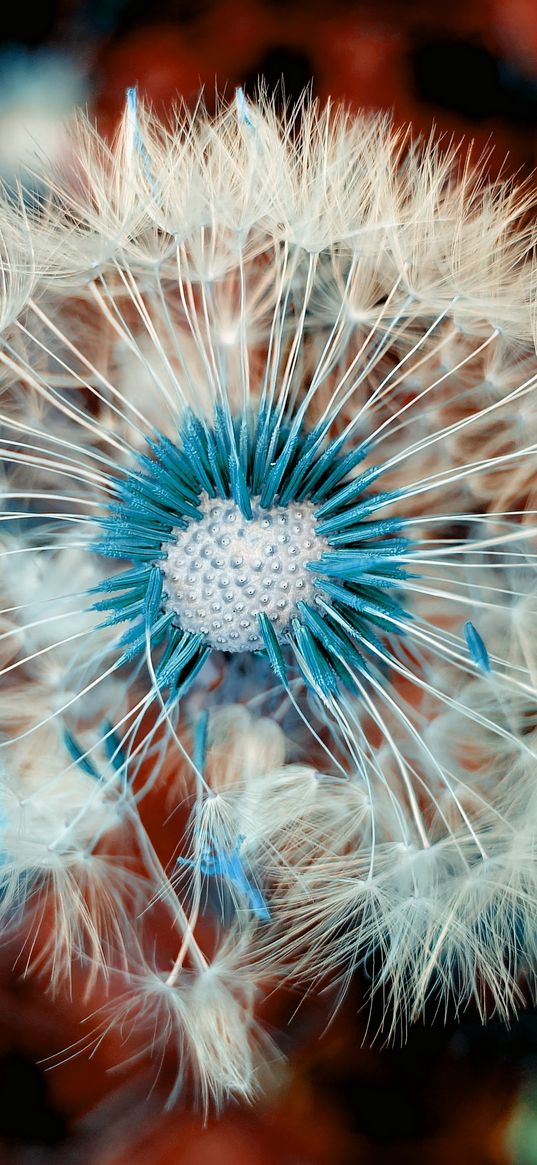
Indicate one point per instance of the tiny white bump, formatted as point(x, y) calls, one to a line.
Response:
point(255, 567)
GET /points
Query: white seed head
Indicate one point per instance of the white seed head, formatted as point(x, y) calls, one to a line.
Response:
point(224, 571)
point(326, 270)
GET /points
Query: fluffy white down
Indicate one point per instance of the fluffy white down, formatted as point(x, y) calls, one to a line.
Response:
point(386, 287)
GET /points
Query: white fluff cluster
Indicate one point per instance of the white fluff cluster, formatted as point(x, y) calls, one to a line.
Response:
point(385, 289)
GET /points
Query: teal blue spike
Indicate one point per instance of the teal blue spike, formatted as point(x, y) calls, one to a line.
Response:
point(336, 644)
point(370, 601)
point(350, 564)
point(199, 751)
point(373, 502)
point(184, 653)
point(137, 507)
point(272, 646)
point(164, 499)
point(477, 648)
point(136, 539)
point(367, 531)
point(175, 638)
point(184, 683)
point(261, 443)
point(175, 465)
point(384, 577)
point(219, 469)
point(174, 462)
point(121, 602)
point(113, 746)
point(239, 488)
point(123, 614)
point(356, 628)
point(309, 446)
point(275, 418)
point(245, 448)
point(327, 463)
point(134, 641)
point(341, 467)
point(273, 480)
point(173, 492)
point(353, 517)
point(223, 433)
point(119, 548)
point(318, 669)
point(194, 442)
point(153, 596)
point(136, 521)
point(350, 491)
point(78, 755)
point(136, 576)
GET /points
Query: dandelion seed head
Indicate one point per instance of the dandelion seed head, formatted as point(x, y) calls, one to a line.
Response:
point(225, 570)
point(269, 393)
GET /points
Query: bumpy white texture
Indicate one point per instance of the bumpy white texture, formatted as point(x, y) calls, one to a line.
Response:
point(224, 571)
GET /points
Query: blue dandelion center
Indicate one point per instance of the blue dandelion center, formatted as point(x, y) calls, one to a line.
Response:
point(224, 571)
point(248, 534)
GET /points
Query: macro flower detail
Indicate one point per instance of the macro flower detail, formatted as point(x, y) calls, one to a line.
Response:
point(245, 535)
point(268, 646)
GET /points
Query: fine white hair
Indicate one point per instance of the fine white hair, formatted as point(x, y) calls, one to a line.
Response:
point(364, 792)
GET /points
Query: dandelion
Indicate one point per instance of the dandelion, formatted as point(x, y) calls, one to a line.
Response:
point(269, 404)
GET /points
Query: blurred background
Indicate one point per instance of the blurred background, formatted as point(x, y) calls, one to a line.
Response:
point(469, 66)
point(455, 1092)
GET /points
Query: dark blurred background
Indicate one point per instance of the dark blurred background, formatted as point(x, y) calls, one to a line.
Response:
point(455, 1092)
point(469, 66)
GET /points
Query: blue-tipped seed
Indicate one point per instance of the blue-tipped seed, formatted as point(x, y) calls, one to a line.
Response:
point(227, 865)
point(477, 648)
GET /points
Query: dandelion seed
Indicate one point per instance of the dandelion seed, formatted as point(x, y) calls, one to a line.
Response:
point(269, 408)
point(476, 647)
point(229, 867)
